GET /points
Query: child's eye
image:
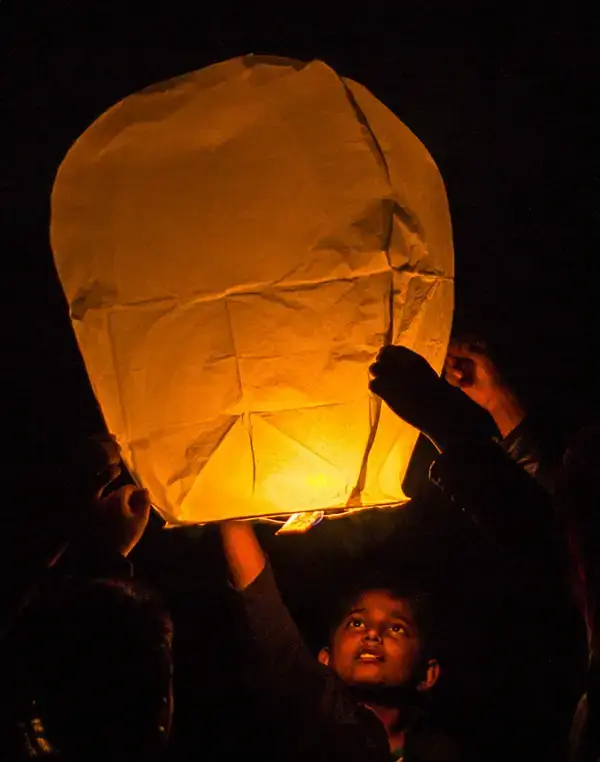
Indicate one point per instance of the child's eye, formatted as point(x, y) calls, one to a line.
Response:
point(399, 629)
point(355, 622)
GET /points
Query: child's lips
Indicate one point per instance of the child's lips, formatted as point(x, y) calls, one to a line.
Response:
point(369, 656)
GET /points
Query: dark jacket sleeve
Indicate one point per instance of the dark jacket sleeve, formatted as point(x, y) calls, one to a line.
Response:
point(513, 511)
point(536, 631)
point(536, 451)
point(315, 711)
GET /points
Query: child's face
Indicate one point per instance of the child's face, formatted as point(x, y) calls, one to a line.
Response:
point(377, 642)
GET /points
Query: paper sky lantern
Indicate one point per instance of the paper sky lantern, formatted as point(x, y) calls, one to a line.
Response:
point(235, 246)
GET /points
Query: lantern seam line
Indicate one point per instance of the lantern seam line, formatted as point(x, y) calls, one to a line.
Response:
point(245, 415)
point(298, 285)
point(262, 413)
point(300, 444)
point(111, 344)
point(356, 493)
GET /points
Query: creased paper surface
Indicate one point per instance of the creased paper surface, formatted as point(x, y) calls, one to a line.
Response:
point(235, 246)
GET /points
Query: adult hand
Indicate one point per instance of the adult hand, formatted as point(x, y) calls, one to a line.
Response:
point(409, 385)
point(469, 368)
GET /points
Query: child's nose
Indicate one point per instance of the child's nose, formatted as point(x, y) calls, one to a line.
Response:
point(372, 634)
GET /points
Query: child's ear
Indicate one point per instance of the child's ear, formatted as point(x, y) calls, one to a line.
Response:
point(431, 676)
point(323, 656)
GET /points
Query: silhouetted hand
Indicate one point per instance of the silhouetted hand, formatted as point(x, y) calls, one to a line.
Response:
point(408, 384)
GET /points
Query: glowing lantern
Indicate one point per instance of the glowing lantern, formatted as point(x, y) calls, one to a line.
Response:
point(235, 246)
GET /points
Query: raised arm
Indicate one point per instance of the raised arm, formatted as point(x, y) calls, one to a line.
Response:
point(314, 710)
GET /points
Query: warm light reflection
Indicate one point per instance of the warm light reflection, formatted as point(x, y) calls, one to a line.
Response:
point(294, 489)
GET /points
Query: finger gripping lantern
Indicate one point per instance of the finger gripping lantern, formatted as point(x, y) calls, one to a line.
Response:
point(235, 246)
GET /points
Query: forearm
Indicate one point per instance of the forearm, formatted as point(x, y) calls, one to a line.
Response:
point(275, 637)
point(506, 411)
point(244, 555)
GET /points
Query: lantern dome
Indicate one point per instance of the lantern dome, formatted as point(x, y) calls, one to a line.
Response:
point(235, 246)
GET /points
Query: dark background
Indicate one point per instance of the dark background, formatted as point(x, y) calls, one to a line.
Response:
point(504, 101)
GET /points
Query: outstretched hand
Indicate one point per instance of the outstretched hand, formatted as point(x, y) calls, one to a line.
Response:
point(409, 385)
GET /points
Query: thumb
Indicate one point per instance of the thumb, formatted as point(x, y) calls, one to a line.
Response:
point(377, 386)
point(383, 389)
point(139, 502)
point(117, 502)
point(458, 371)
